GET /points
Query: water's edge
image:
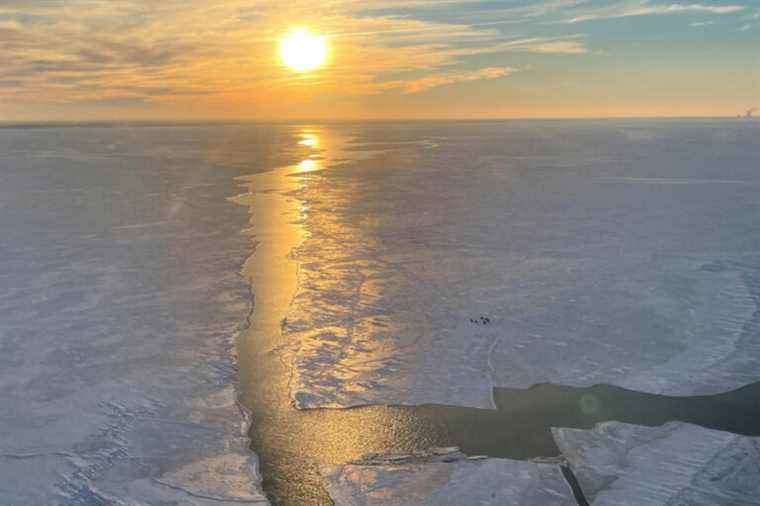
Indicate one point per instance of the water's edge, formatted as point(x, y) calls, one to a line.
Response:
point(293, 444)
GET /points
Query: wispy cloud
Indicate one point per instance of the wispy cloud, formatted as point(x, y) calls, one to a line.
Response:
point(433, 81)
point(646, 8)
point(144, 51)
point(564, 45)
point(181, 53)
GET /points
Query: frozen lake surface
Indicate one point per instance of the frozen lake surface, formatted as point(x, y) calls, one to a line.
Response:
point(469, 256)
point(119, 261)
point(394, 264)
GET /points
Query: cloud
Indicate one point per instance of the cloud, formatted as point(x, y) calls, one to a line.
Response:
point(646, 8)
point(70, 51)
point(433, 81)
point(566, 45)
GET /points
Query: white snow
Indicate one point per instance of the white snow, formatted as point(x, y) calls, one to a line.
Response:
point(585, 267)
point(677, 463)
point(458, 258)
point(446, 478)
point(119, 307)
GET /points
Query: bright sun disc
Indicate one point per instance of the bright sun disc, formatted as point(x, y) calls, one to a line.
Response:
point(302, 51)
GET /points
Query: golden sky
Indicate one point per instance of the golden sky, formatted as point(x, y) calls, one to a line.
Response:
point(202, 59)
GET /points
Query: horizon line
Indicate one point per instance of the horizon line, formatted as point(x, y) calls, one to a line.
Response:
point(240, 121)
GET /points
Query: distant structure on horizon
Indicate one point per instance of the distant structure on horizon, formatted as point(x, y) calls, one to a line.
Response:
point(750, 112)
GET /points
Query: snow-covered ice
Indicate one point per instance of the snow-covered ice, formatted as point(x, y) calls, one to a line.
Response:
point(445, 477)
point(458, 257)
point(677, 463)
point(475, 255)
point(120, 301)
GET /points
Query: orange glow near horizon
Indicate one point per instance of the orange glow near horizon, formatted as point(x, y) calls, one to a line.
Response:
point(358, 60)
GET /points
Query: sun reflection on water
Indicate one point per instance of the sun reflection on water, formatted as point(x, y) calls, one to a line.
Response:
point(309, 139)
point(308, 165)
point(293, 444)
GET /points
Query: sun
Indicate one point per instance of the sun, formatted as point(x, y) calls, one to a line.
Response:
point(303, 51)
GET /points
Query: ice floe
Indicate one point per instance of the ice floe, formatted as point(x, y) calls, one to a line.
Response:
point(677, 463)
point(445, 477)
